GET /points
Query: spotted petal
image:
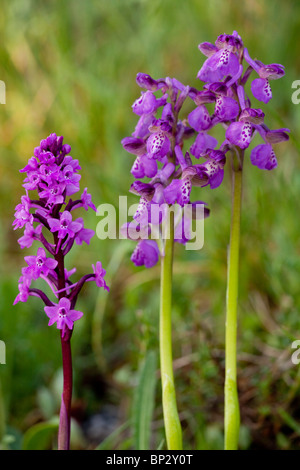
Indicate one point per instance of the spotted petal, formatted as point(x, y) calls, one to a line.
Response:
point(261, 89)
point(240, 133)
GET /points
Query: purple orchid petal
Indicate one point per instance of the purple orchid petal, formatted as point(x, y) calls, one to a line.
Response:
point(171, 191)
point(277, 136)
point(239, 133)
point(255, 116)
point(261, 89)
point(263, 157)
point(202, 143)
point(199, 119)
point(158, 145)
point(145, 81)
point(146, 254)
point(134, 145)
point(222, 63)
point(207, 48)
point(226, 108)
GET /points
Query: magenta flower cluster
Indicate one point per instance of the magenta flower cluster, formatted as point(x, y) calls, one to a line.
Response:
point(159, 136)
point(53, 174)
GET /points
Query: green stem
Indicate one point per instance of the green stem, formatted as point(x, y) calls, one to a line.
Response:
point(232, 412)
point(171, 418)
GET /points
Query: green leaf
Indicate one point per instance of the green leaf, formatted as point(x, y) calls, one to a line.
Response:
point(143, 403)
point(39, 436)
point(109, 442)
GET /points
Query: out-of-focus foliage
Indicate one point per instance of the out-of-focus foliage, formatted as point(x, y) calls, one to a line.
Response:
point(69, 67)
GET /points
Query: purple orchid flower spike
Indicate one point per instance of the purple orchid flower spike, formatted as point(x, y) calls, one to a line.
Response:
point(225, 73)
point(53, 174)
point(161, 134)
point(156, 144)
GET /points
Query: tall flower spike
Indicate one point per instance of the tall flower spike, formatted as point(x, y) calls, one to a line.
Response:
point(157, 144)
point(224, 77)
point(53, 174)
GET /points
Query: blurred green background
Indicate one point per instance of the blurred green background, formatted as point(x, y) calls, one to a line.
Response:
point(69, 67)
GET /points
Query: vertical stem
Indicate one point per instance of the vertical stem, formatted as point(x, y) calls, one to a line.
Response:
point(65, 409)
point(232, 412)
point(171, 418)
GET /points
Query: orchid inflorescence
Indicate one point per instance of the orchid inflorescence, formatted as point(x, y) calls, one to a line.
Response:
point(54, 175)
point(158, 139)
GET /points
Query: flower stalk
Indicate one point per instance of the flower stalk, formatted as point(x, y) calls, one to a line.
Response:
point(64, 429)
point(66, 398)
point(171, 417)
point(232, 412)
point(53, 174)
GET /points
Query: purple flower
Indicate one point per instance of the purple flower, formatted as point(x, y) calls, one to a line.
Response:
point(64, 225)
point(202, 143)
point(144, 166)
point(222, 58)
point(179, 190)
point(49, 172)
point(255, 116)
point(226, 109)
point(222, 62)
point(134, 145)
point(87, 202)
point(99, 275)
point(213, 168)
point(275, 136)
point(84, 234)
point(147, 103)
point(32, 181)
point(142, 128)
point(146, 253)
point(46, 158)
point(260, 87)
point(145, 81)
point(263, 157)
point(199, 119)
point(63, 315)
point(22, 214)
point(32, 165)
point(71, 179)
point(39, 264)
point(240, 133)
point(158, 144)
point(53, 174)
point(53, 194)
point(30, 234)
point(24, 286)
